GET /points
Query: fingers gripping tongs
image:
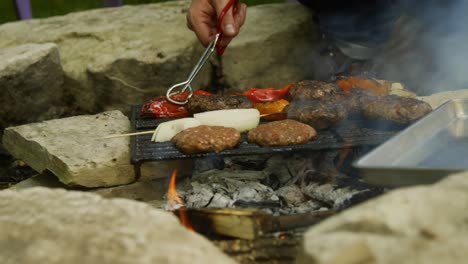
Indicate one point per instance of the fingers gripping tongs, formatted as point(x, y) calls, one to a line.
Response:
point(214, 44)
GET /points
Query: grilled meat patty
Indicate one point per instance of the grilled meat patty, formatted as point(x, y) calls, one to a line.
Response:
point(206, 139)
point(401, 110)
point(203, 103)
point(319, 114)
point(281, 133)
point(308, 90)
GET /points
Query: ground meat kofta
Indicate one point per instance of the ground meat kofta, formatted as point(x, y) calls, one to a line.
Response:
point(203, 103)
point(320, 114)
point(281, 133)
point(206, 139)
point(308, 90)
point(401, 110)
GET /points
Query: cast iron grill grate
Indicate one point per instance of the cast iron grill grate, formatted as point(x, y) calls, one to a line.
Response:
point(352, 133)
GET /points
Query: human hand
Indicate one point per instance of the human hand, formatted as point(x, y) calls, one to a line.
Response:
point(202, 18)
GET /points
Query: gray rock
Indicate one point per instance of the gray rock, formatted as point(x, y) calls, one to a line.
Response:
point(114, 57)
point(41, 225)
point(412, 225)
point(31, 78)
point(142, 190)
point(74, 149)
point(276, 46)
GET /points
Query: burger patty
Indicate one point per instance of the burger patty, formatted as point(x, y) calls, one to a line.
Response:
point(206, 139)
point(308, 90)
point(319, 114)
point(203, 103)
point(401, 110)
point(281, 133)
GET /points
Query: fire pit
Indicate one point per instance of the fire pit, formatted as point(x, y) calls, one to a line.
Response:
point(255, 202)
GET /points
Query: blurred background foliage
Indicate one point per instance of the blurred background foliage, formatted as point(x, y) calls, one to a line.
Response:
point(47, 8)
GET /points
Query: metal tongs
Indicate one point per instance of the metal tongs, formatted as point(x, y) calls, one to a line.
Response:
point(214, 44)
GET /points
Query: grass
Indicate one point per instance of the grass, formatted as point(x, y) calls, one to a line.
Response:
point(46, 8)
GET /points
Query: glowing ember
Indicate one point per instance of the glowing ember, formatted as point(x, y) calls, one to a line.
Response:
point(174, 202)
point(342, 157)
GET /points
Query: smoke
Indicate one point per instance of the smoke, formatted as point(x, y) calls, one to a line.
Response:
point(428, 49)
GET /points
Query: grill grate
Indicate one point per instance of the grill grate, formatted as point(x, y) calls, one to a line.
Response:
point(352, 133)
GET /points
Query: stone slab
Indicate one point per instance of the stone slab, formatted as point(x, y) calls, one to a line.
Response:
point(74, 149)
point(424, 224)
point(31, 78)
point(41, 225)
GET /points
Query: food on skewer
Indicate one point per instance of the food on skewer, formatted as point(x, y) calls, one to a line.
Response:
point(165, 131)
point(201, 103)
point(206, 139)
point(240, 119)
point(281, 133)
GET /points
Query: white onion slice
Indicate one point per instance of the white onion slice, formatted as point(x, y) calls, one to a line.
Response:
point(165, 131)
point(240, 119)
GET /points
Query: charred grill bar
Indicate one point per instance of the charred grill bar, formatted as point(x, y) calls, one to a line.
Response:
point(347, 134)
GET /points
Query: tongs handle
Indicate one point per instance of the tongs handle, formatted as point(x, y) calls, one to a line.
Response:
point(183, 86)
point(234, 4)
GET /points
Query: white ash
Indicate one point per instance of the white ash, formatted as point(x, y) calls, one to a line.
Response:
point(278, 184)
point(254, 191)
point(336, 197)
point(221, 201)
point(291, 194)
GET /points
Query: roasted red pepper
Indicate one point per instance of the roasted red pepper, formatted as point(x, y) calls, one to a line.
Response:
point(258, 95)
point(160, 107)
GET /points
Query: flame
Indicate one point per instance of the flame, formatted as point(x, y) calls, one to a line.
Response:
point(342, 157)
point(174, 201)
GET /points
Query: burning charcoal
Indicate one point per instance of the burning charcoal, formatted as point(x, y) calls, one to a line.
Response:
point(305, 207)
point(255, 191)
point(246, 162)
point(328, 194)
point(275, 167)
point(220, 201)
point(199, 197)
point(208, 163)
point(292, 194)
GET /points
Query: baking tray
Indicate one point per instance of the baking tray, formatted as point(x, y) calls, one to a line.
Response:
point(423, 153)
point(354, 133)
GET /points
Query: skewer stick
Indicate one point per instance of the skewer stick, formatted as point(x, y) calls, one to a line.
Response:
point(276, 113)
point(130, 134)
point(152, 131)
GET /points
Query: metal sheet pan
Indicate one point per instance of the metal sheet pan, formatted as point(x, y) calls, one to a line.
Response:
point(428, 150)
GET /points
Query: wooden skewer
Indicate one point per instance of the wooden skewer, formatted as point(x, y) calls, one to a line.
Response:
point(130, 134)
point(277, 113)
point(152, 131)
